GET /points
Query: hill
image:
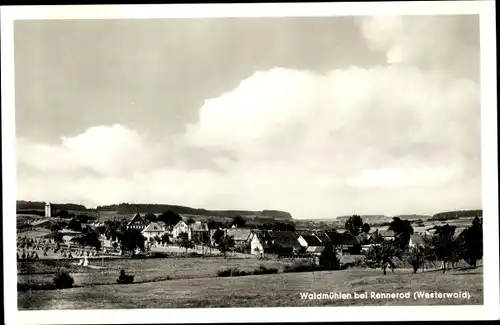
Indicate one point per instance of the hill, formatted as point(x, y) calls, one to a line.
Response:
point(36, 205)
point(127, 208)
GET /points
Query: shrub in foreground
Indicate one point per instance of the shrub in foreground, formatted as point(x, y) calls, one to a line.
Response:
point(302, 267)
point(124, 278)
point(265, 270)
point(63, 280)
point(235, 272)
point(231, 272)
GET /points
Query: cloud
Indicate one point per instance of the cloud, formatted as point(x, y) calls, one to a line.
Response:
point(440, 42)
point(403, 137)
point(107, 150)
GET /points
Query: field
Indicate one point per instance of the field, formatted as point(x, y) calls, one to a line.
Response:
point(144, 270)
point(276, 290)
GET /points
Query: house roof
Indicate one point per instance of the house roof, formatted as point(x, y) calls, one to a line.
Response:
point(199, 226)
point(264, 237)
point(349, 239)
point(178, 224)
point(41, 222)
point(416, 239)
point(315, 249)
point(305, 233)
point(239, 234)
point(69, 232)
point(285, 238)
point(386, 233)
point(311, 240)
point(137, 217)
point(323, 237)
point(335, 237)
point(153, 227)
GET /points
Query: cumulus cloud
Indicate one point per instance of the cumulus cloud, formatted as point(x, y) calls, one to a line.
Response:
point(447, 43)
point(403, 137)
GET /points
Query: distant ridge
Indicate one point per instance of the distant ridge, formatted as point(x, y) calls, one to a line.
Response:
point(128, 208)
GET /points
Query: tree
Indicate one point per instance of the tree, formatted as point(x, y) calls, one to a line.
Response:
point(185, 242)
point(402, 231)
point(90, 239)
point(328, 259)
point(170, 218)
point(238, 221)
point(62, 214)
point(225, 244)
point(382, 256)
point(218, 234)
point(416, 257)
point(75, 225)
point(442, 246)
point(471, 242)
point(150, 217)
point(190, 221)
point(58, 237)
point(165, 239)
point(365, 228)
point(131, 239)
point(212, 224)
point(354, 224)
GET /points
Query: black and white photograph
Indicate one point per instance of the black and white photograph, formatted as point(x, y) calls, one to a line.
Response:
point(229, 161)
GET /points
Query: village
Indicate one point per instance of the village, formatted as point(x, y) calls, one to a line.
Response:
point(190, 236)
point(62, 251)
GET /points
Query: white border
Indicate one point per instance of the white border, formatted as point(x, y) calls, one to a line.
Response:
point(490, 310)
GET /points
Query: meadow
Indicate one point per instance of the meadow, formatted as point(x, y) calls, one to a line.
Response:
point(144, 270)
point(277, 290)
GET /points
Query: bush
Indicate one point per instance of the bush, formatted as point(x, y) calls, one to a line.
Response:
point(157, 255)
point(302, 267)
point(235, 272)
point(264, 270)
point(63, 280)
point(124, 278)
point(328, 259)
point(232, 272)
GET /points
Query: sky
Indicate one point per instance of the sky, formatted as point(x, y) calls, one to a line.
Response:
point(320, 117)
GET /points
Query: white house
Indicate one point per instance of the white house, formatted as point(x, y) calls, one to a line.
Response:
point(153, 230)
point(179, 228)
point(259, 242)
point(416, 240)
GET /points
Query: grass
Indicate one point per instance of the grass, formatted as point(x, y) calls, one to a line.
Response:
point(144, 270)
point(277, 290)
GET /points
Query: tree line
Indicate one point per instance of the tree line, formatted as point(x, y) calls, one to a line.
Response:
point(444, 247)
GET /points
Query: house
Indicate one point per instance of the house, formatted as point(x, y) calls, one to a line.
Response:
point(199, 232)
point(260, 242)
point(325, 240)
point(138, 222)
point(179, 228)
point(315, 250)
point(349, 240)
point(43, 223)
point(309, 241)
point(285, 242)
point(153, 230)
point(386, 234)
point(416, 240)
point(68, 234)
point(336, 238)
point(241, 235)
